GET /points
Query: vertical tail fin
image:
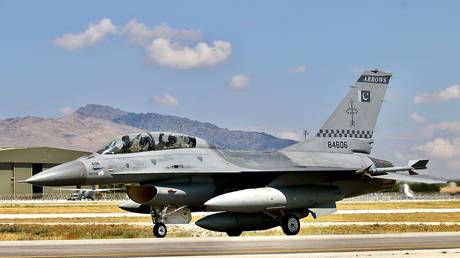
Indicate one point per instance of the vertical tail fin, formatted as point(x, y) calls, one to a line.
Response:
point(356, 115)
point(351, 125)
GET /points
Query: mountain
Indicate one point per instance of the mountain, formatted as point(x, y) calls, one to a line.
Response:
point(231, 139)
point(72, 132)
point(93, 125)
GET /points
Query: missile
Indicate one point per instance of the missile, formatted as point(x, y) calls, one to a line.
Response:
point(270, 198)
point(411, 167)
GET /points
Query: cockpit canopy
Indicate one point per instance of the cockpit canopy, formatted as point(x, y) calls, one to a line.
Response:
point(148, 141)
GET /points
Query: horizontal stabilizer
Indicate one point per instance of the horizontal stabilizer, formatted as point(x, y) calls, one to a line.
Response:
point(412, 179)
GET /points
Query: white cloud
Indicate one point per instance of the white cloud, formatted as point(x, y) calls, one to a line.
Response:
point(299, 69)
point(453, 126)
point(164, 45)
point(66, 110)
point(399, 155)
point(165, 100)
point(139, 33)
point(441, 148)
point(170, 47)
point(93, 34)
point(175, 55)
point(292, 135)
point(448, 94)
point(284, 133)
point(417, 118)
point(239, 82)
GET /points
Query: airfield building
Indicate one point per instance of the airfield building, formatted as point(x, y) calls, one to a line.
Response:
point(19, 163)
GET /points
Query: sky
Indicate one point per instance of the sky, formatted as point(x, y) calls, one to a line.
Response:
point(274, 66)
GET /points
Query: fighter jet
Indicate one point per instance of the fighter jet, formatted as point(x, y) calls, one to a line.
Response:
point(86, 194)
point(170, 175)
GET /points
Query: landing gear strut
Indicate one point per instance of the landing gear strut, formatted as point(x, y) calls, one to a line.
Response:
point(158, 219)
point(290, 224)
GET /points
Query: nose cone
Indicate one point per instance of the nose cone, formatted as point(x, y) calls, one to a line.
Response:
point(70, 173)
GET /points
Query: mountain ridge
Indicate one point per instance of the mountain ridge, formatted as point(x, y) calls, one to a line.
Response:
point(230, 139)
point(92, 125)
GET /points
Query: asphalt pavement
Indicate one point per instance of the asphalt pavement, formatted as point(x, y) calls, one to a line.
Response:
point(220, 246)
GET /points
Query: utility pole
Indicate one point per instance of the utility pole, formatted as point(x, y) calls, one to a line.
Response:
point(306, 133)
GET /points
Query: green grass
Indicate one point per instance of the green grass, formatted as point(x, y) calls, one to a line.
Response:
point(67, 232)
point(29, 229)
point(397, 217)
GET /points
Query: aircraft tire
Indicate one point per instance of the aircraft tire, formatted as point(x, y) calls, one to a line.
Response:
point(290, 225)
point(235, 233)
point(160, 230)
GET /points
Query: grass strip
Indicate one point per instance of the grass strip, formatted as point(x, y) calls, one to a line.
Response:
point(398, 217)
point(63, 232)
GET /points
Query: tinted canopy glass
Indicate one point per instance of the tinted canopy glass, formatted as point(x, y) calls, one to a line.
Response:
point(133, 143)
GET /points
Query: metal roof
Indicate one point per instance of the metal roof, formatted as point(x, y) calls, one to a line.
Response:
point(30, 154)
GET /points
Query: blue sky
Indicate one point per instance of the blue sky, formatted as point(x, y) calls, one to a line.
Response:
point(292, 60)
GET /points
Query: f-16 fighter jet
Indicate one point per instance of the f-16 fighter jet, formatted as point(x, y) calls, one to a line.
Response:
point(170, 175)
point(86, 194)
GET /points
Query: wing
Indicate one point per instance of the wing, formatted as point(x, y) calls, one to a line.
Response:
point(412, 178)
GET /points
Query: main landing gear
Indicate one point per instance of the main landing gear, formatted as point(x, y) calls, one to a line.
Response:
point(290, 224)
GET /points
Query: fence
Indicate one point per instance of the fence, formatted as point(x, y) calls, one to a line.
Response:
point(382, 197)
point(117, 196)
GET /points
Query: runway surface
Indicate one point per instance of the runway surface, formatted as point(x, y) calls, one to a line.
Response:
point(229, 246)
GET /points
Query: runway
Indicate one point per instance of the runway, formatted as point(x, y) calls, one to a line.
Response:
point(229, 246)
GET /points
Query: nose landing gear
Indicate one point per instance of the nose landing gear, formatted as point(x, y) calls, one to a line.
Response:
point(168, 215)
point(158, 218)
point(160, 230)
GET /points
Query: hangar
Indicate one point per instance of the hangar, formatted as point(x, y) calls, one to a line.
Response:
point(19, 163)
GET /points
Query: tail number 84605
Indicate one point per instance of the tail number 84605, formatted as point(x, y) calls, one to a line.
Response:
point(337, 145)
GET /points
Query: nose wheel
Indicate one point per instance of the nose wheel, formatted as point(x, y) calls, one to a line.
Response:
point(160, 230)
point(290, 225)
point(158, 217)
